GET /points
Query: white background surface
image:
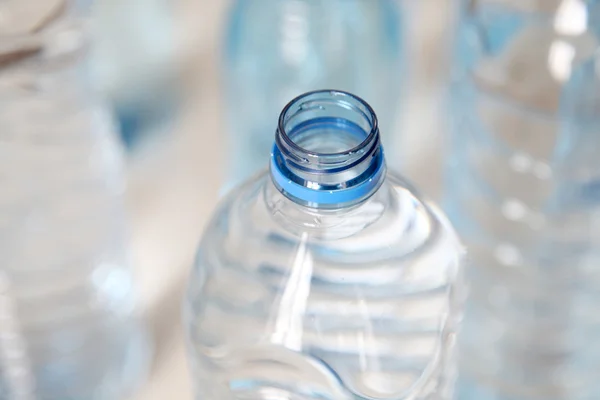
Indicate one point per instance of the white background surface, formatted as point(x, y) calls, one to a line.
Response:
point(174, 181)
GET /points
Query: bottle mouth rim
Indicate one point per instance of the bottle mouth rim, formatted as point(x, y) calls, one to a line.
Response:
point(327, 178)
point(368, 113)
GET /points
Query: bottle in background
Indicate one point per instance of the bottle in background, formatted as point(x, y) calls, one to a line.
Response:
point(326, 277)
point(570, 249)
point(135, 65)
point(68, 322)
point(520, 333)
point(277, 49)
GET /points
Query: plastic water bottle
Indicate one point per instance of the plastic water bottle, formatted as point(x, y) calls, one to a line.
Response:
point(68, 327)
point(327, 277)
point(278, 49)
point(571, 244)
point(520, 334)
point(135, 65)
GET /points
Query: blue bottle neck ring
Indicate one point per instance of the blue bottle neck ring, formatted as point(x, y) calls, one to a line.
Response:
point(327, 151)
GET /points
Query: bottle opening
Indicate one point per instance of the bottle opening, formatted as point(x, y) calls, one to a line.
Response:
point(327, 122)
point(327, 150)
point(327, 135)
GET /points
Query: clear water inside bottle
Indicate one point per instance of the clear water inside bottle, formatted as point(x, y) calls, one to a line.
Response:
point(68, 323)
point(343, 294)
point(522, 335)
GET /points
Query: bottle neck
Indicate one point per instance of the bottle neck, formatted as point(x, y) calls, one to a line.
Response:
point(327, 151)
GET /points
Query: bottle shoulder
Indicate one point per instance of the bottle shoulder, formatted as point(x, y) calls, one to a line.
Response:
point(257, 227)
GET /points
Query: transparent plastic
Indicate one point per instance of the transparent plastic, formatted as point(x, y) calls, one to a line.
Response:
point(324, 278)
point(515, 62)
point(135, 65)
point(276, 50)
point(68, 323)
point(569, 249)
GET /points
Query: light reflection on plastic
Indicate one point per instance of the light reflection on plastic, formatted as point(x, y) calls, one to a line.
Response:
point(571, 18)
point(560, 60)
point(294, 32)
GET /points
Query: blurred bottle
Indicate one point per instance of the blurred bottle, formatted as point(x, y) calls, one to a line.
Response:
point(328, 277)
point(68, 328)
point(577, 167)
point(514, 61)
point(570, 250)
point(278, 49)
point(135, 65)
